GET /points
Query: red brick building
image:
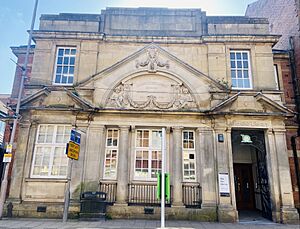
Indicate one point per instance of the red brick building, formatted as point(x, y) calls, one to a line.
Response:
point(287, 67)
point(10, 100)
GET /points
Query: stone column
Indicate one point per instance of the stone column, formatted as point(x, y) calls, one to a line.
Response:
point(122, 174)
point(271, 159)
point(207, 167)
point(95, 149)
point(226, 211)
point(177, 166)
point(288, 211)
point(23, 153)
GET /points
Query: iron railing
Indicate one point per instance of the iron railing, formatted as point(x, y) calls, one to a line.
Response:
point(144, 195)
point(191, 195)
point(110, 188)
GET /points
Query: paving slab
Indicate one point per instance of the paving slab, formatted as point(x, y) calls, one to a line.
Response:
point(133, 224)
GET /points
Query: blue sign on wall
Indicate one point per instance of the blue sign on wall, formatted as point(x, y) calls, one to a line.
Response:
point(75, 136)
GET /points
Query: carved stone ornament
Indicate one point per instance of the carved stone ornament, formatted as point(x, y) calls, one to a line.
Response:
point(152, 61)
point(122, 98)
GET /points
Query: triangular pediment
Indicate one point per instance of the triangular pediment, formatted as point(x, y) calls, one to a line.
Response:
point(152, 78)
point(251, 103)
point(55, 97)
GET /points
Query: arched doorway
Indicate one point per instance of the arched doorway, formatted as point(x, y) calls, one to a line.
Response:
point(252, 189)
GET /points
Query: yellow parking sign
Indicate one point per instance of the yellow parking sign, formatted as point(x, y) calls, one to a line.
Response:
point(73, 150)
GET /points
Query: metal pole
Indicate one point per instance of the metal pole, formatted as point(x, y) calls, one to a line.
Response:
point(12, 137)
point(67, 192)
point(163, 171)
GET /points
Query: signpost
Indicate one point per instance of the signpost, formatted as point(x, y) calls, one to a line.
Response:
point(163, 169)
point(72, 151)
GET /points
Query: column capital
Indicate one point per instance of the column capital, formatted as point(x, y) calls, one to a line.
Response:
point(204, 130)
point(124, 128)
point(177, 128)
point(96, 127)
point(279, 130)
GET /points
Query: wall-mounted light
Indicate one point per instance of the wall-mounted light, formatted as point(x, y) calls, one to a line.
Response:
point(220, 138)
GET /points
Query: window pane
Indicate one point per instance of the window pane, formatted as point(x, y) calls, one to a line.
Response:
point(65, 70)
point(238, 56)
point(156, 139)
point(64, 79)
point(70, 80)
point(239, 74)
point(59, 60)
point(245, 64)
point(67, 51)
point(72, 60)
point(232, 64)
point(233, 74)
point(245, 56)
point(239, 64)
point(59, 69)
point(246, 74)
point(60, 52)
point(66, 60)
point(234, 84)
point(232, 56)
point(246, 83)
point(240, 83)
point(73, 51)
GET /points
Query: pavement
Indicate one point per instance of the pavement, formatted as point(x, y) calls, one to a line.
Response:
point(133, 224)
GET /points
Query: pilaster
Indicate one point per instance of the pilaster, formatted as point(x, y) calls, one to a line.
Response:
point(122, 173)
point(26, 136)
point(177, 166)
point(207, 167)
point(94, 152)
point(226, 210)
point(288, 213)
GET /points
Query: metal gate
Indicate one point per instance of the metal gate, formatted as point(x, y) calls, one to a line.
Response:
point(262, 172)
point(257, 140)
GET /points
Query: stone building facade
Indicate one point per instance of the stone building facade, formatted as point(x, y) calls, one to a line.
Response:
point(119, 77)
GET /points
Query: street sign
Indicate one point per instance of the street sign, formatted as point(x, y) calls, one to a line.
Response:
point(73, 150)
point(9, 148)
point(7, 157)
point(75, 136)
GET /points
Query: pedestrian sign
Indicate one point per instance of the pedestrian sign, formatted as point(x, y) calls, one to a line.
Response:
point(73, 150)
point(75, 136)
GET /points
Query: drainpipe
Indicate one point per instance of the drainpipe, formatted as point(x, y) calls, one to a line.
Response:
point(297, 103)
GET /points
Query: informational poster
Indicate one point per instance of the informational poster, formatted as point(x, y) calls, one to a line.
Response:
point(224, 188)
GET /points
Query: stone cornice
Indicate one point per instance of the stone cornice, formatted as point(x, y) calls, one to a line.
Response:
point(155, 39)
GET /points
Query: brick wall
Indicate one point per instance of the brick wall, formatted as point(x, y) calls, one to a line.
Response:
point(282, 22)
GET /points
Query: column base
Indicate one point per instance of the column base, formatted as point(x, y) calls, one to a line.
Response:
point(289, 215)
point(227, 214)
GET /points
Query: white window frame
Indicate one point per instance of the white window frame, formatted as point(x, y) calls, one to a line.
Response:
point(190, 151)
point(109, 148)
point(56, 65)
point(242, 69)
point(150, 149)
point(52, 145)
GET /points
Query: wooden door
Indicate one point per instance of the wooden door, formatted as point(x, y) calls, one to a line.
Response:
point(244, 189)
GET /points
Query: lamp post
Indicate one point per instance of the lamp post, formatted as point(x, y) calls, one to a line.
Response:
point(13, 133)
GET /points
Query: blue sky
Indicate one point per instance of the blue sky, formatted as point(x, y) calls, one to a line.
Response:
point(15, 19)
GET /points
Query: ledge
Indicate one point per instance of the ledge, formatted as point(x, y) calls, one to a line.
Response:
point(54, 180)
